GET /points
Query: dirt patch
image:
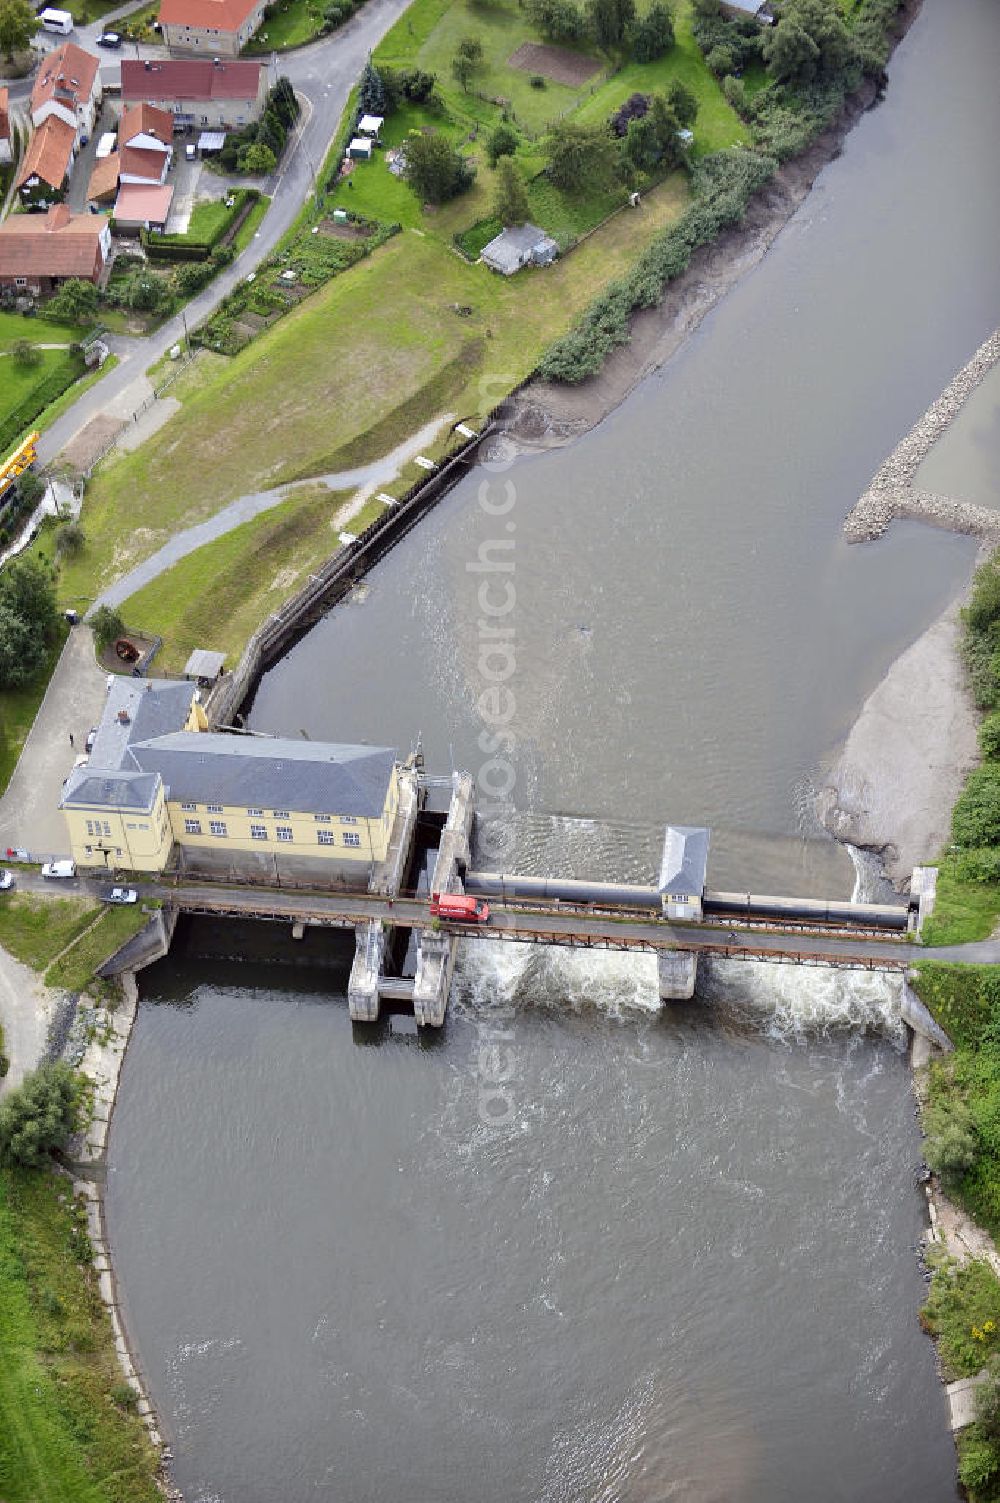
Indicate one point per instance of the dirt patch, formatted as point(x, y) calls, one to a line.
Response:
point(87, 446)
point(342, 231)
point(557, 63)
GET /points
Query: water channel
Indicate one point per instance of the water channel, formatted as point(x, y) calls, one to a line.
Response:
point(678, 1264)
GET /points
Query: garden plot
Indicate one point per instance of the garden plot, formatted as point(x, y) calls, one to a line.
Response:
point(557, 63)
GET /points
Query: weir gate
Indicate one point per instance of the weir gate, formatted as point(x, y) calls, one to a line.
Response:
point(405, 956)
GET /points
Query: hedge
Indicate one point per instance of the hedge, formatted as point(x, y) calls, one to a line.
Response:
point(724, 184)
point(59, 378)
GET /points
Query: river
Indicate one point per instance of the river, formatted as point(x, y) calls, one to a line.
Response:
point(683, 1268)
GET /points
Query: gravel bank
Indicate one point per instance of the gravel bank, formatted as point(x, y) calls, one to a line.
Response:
point(892, 786)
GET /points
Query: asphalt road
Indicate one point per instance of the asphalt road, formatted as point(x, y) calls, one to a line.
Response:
point(323, 74)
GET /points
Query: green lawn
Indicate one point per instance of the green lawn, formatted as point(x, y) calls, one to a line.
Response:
point(962, 910)
point(362, 363)
point(218, 596)
point(74, 971)
point(34, 928)
point(17, 382)
point(14, 326)
point(18, 708)
point(63, 1436)
point(294, 22)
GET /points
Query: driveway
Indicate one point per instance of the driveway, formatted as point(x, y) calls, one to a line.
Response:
point(29, 813)
point(26, 1010)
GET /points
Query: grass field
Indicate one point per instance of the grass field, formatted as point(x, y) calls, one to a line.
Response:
point(74, 971)
point(962, 910)
point(34, 929)
point(221, 594)
point(293, 22)
point(65, 1434)
point(17, 382)
point(18, 708)
point(343, 379)
point(14, 326)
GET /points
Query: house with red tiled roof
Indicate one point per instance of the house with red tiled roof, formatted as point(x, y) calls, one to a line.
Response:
point(6, 152)
point(199, 93)
point(220, 28)
point(47, 163)
point(68, 88)
point(38, 251)
point(146, 144)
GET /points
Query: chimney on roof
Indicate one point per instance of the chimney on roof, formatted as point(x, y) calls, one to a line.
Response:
point(148, 66)
point(216, 62)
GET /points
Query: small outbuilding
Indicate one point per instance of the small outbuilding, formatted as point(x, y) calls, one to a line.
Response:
point(141, 206)
point(360, 149)
point(204, 665)
point(521, 245)
point(683, 871)
point(370, 125)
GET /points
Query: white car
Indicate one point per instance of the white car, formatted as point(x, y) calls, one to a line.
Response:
point(59, 869)
point(121, 895)
point(6, 881)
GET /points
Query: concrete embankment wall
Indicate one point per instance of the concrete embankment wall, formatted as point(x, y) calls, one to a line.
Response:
point(333, 581)
point(150, 944)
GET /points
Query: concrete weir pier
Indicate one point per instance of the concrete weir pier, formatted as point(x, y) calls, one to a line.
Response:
point(677, 972)
point(429, 988)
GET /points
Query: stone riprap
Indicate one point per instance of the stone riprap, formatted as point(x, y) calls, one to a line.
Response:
point(892, 493)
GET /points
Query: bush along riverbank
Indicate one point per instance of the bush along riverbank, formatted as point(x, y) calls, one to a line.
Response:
point(960, 1092)
point(788, 83)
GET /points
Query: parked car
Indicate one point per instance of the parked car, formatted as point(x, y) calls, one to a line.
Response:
point(120, 895)
point(109, 39)
point(91, 738)
point(191, 152)
point(6, 881)
point(60, 869)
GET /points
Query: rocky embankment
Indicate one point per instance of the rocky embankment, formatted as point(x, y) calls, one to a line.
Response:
point(892, 493)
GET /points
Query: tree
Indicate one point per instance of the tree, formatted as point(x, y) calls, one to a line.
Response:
point(975, 819)
point(144, 293)
point(611, 20)
point(989, 737)
point(580, 156)
point(653, 35)
point(257, 159)
point(809, 43)
point(75, 302)
point(683, 103)
point(22, 651)
point(107, 626)
point(26, 588)
point(510, 203)
point(472, 48)
point(283, 101)
point(462, 69)
point(434, 169)
point(652, 139)
point(952, 1143)
point(502, 141)
point(371, 95)
point(39, 1115)
point(25, 354)
point(18, 23)
point(559, 20)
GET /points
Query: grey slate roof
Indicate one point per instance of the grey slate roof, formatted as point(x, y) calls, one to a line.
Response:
point(204, 664)
point(153, 706)
point(312, 777)
point(88, 789)
point(685, 860)
point(507, 250)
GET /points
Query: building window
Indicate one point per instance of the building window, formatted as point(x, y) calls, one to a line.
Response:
point(89, 850)
point(90, 827)
point(217, 826)
point(192, 827)
point(281, 813)
point(214, 808)
point(107, 828)
point(351, 838)
point(324, 837)
point(284, 832)
point(323, 819)
point(20, 281)
point(257, 812)
point(348, 819)
point(192, 807)
point(258, 832)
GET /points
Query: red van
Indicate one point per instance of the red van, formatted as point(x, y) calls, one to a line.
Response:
point(458, 908)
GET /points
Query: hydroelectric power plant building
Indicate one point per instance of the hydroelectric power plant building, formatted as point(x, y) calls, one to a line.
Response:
point(160, 789)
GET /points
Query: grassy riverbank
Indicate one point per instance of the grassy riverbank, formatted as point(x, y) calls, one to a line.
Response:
point(64, 939)
point(962, 1313)
point(68, 1430)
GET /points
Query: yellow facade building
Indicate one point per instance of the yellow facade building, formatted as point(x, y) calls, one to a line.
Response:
point(162, 790)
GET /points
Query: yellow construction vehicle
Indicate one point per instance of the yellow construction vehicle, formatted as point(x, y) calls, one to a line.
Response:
point(22, 459)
